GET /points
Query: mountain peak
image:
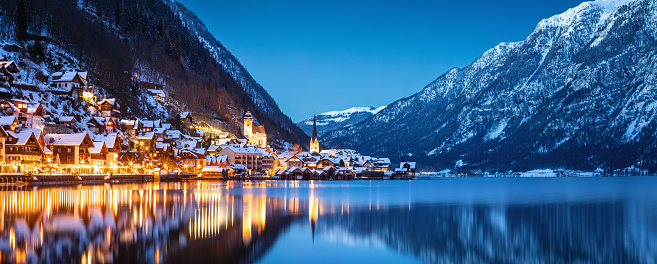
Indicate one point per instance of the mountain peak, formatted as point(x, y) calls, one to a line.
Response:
point(578, 92)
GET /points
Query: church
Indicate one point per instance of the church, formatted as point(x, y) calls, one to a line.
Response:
point(314, 142)
point(255, 134)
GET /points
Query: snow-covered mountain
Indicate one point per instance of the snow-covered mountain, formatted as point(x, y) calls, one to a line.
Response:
point(338, 119)
point(579, 92)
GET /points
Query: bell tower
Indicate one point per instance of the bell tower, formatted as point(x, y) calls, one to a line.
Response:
point(314, 142)
point(248, 125)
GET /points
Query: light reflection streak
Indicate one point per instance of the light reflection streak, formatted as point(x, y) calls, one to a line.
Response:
point(131, 212)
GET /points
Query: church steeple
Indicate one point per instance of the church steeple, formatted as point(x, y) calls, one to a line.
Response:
point(314, 142)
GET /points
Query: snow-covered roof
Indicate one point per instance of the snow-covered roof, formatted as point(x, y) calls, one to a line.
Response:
point(97, 148)
point(184, 114)
point(69, 77)
point(8, 64)
point(241, 150)
point(164, 146)
point(22, 136)
point(7, 120)
point(213, 148)
point(145, 136)
point(410, 164)
point(109, 139)
point(37, 131)
point(75, 139)
point(33, 107)
point(47, 151)
point(67, 119)
point(111, 101)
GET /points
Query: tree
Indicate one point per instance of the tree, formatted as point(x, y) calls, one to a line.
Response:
point(21, 21)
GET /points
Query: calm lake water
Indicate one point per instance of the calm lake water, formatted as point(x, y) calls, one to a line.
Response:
point(475, 220)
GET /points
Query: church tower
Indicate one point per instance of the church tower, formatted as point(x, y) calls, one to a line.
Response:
point(248, 125)
point(314, 142)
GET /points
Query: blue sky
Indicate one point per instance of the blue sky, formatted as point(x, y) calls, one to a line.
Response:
point(319, 56)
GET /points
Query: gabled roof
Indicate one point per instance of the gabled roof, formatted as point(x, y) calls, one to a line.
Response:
point(7, 120)
point(109, 139)
point(69, 77)
point(33, 107)
point(111, 101)
point(75, 139)
point(67, 119)
point(22, 136)
point(213, 148)
point(98, 147)
point(410, 164)
point(241, 150)
point(145, 136)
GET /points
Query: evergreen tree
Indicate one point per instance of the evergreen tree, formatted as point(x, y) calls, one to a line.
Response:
point(21, 21)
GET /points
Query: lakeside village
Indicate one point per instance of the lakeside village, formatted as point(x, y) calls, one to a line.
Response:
point(37, 143)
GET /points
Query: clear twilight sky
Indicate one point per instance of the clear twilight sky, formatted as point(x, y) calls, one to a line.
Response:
point(319, 56)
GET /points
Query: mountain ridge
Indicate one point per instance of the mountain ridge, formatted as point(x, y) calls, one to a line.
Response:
point(559, 98)
point(333, 120)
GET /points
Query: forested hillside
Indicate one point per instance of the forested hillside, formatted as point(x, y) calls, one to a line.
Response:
point(122, 42)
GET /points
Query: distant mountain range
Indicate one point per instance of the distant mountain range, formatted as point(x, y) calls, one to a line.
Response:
point(338, 119)
point(579, 92)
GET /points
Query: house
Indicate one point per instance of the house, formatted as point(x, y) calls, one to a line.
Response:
point(109, 108)
point(9, 123)
point(157, 94)
point(294, 161)
point(269, 163)
point(149, 125)
point(145, 142)
point(250, 158)
point(192, 161)
point(35, 113)
point(98, 154)
point(406, 169)
point(68, 121)
point(8, 71)
point(70, 148)
point(73, 82)
point(113, 144)
point(23, 147)
point(101, 125)
point(381, 164)
point(174, 137)
point(130, 127)
point(213, 150)
point(255, 134)
point(186, 118)
point(3, 141)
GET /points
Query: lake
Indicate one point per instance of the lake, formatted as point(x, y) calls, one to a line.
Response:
point(476, 220)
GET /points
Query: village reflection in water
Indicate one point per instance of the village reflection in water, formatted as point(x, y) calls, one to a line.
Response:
point(148, 222)
point(240, 222)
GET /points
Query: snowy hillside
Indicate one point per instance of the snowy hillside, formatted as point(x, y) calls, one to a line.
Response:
point(578, 92)
point(130, 46)
point(338, 119)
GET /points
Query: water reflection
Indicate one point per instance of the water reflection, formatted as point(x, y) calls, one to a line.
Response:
point(244, 222)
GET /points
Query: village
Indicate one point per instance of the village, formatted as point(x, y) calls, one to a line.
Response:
point(38, 143)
